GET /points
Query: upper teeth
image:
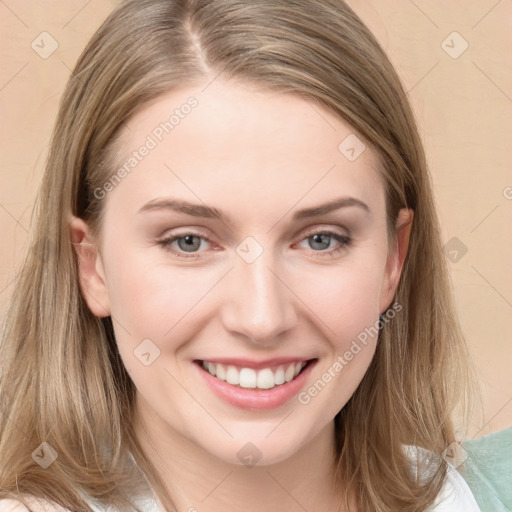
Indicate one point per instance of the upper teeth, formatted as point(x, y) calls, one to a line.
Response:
point(265, 378)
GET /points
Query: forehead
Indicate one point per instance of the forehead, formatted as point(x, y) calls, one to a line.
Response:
point(243, 146)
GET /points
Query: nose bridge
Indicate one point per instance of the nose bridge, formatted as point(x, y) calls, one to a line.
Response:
point(258, 303)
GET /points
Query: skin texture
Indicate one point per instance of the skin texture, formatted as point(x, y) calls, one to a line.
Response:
point(258, 156)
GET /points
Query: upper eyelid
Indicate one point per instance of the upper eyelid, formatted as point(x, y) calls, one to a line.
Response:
point(305, 232)
point(308, 233)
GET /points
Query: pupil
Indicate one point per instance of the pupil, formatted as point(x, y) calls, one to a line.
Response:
point(189, 245)
point(317, 239)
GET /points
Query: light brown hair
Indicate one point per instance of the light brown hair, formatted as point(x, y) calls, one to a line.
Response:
point(62, 380)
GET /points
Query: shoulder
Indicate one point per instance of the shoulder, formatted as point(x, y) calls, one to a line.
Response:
point(455, 496)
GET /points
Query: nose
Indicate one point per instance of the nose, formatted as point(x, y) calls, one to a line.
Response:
point(257, 303)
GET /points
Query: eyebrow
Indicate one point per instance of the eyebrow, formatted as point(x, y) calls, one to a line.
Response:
point(204, 211)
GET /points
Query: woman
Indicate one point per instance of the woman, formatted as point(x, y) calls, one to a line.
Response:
point(237, 296)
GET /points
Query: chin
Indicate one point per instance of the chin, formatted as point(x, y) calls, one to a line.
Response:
point(258, 449)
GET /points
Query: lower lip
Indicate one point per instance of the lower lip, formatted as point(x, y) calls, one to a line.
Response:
point(256, 399)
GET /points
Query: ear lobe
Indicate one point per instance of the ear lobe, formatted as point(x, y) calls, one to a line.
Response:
point(396, 257)
point(90, 268)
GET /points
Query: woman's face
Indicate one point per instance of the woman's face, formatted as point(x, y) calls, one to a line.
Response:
point(247, 239)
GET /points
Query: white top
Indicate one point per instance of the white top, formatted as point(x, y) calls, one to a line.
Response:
point(8, 505)
point(455, 496)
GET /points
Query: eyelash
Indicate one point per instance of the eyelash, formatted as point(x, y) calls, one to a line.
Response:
point(344, 241)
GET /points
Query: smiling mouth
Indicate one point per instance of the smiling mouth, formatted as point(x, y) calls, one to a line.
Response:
point(250, 378)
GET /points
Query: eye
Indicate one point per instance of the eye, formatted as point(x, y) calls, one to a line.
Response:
point(322, 241)
point(190, 245)
point(185, 245)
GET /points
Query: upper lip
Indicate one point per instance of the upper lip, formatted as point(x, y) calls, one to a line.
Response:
point(256, 365)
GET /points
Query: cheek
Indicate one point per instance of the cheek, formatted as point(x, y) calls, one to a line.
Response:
point(345, 299)
point(348, 302)
point(162, 304)
point(154, 300)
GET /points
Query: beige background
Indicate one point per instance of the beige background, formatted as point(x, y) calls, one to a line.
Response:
point(463, 102)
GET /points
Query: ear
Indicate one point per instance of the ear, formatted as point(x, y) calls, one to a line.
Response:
point(396, 257)
point(90, 268)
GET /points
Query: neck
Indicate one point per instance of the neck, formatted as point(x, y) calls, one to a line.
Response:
point(198, 481)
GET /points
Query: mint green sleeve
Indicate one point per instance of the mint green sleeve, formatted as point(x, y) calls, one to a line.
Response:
point(488, 470)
